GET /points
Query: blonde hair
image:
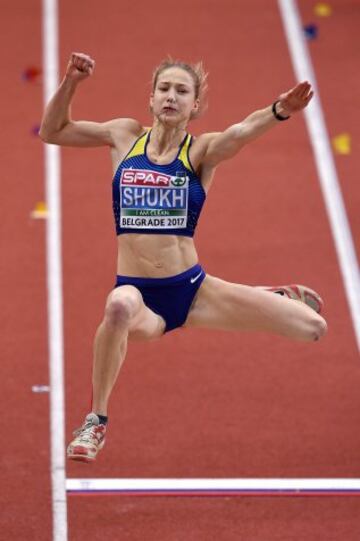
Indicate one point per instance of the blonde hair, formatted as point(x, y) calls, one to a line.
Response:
point(198, 74)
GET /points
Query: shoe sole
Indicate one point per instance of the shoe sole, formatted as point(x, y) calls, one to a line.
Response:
point(79, 456)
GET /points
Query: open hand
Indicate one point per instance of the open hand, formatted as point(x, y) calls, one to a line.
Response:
point(80, 66)
point(295, 99)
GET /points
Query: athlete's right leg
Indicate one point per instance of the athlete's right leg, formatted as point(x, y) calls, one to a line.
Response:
point(126, 317)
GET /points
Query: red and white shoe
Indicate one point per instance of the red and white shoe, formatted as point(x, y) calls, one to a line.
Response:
point(90, 438)
point(300, 293)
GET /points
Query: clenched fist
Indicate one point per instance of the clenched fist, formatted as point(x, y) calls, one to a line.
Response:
point(80, 67)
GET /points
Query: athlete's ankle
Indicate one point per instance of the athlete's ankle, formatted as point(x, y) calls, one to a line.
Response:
point(102, 418)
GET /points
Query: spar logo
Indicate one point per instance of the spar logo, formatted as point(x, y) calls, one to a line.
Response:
point(143, 177)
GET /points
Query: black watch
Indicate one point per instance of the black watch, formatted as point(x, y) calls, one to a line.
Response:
point(276, 114)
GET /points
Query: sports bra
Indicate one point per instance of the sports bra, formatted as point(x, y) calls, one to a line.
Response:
point(157, 199)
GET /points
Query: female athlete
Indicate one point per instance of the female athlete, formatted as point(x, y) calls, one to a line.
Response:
point(162, 176)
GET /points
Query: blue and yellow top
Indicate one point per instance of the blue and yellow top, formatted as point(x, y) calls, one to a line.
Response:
point(157, 199)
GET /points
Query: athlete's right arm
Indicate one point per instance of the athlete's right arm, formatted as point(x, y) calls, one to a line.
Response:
point(57, 126)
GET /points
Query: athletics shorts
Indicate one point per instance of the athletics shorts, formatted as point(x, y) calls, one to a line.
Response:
point(169, 297)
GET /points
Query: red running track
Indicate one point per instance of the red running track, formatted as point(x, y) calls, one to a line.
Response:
point(195, 404)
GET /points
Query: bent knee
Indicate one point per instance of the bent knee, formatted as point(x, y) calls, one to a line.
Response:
point(315, 329)
point(122, 306)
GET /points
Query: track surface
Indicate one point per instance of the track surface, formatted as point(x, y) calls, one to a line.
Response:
point(195, 404)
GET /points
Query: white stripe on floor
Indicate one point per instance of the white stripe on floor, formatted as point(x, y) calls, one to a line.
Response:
point(54, 281)
point(325, 165)
point(212, 485)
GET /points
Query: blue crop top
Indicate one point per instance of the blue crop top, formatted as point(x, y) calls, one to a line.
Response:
point(158, 199)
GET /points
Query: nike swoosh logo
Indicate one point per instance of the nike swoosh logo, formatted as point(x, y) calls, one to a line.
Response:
point(193, 280)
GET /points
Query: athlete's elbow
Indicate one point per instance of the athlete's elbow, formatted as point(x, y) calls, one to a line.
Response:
point(47, 136)
point(44, 134)
point(50, 132)
point(44, 137)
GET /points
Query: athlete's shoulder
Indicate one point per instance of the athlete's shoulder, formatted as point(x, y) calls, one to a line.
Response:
point(123, 132)
point(126, 126)
point(199, 147)
point(204, 138)
point(202, 141)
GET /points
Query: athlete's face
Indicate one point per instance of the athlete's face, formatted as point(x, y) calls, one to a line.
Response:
point(173, 99)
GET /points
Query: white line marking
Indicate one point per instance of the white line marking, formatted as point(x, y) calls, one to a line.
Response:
point(324, 162)
point(211, 485)
point(54, 281)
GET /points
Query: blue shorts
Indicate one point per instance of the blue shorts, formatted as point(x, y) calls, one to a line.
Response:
point(171, 297)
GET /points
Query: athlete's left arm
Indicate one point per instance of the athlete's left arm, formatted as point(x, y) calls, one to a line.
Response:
point(226, 144)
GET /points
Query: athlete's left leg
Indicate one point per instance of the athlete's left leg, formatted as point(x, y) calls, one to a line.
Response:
point(228, 306)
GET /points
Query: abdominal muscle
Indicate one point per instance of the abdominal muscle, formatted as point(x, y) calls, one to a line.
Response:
point(154, 256)
point(157, 256)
